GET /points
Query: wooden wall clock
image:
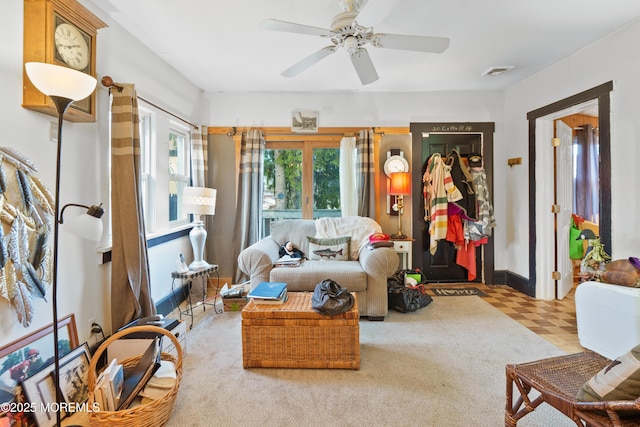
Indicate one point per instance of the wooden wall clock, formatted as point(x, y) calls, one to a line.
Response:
point(61, 32)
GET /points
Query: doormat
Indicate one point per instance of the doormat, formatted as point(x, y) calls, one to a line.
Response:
point(456, 292)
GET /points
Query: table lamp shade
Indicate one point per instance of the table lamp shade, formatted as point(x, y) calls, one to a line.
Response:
point(54, 80)
point(199, 200)
point(400, 183)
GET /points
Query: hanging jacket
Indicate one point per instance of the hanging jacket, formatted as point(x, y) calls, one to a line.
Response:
point(483, 227)
point(463, 181)
point(439, 188)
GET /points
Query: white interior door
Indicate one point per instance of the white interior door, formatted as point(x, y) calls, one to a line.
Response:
point(564, 198)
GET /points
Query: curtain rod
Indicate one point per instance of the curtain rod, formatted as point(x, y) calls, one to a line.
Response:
point(108, 82)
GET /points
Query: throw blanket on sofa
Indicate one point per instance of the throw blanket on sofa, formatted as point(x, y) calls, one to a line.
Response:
point(358, 227)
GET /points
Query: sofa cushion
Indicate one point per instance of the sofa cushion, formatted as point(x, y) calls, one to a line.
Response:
point(336, 249)
point(620, 380)
point(294, 230)
point(348, 274)
point(358, 227)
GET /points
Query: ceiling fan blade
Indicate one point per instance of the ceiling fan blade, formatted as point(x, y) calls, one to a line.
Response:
point(292, 27)
point(364, 67)
point(417, 43)
point(307, 62)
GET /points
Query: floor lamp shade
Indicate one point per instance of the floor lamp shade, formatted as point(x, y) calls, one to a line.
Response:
point(54, 80)
point(198, 201)
point(87, 225)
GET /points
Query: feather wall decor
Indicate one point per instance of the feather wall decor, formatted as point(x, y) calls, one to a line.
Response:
point(26, 217)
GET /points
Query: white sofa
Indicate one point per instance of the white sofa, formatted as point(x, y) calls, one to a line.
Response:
point(608, 318)
point(366, 274)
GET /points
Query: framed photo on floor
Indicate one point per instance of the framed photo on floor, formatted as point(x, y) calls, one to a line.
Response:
point(39, 387)
point(29, 354)
point(74, 374)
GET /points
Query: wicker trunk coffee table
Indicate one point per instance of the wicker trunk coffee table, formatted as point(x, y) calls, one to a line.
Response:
point(292, 335)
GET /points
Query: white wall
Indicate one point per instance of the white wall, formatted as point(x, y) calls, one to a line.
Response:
point(612, 58)
point(355, 109)
point(83, 283)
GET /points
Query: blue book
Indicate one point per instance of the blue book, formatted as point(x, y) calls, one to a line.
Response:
point(268, 290)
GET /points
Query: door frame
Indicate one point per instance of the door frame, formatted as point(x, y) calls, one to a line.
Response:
point(487, 130)
point(541, 248)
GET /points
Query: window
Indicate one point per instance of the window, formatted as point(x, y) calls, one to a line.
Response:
point(165, 170)
point(147, 169)
point(179, 177)
point(301, 180)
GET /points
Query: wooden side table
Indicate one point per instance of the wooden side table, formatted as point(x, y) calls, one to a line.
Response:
point(187, 278)
point(404, 248)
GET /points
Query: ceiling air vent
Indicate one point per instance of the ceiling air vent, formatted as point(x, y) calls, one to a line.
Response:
point(494, 71)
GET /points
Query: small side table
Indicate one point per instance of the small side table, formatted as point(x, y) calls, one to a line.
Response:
point(404, 248)
point(186, 278)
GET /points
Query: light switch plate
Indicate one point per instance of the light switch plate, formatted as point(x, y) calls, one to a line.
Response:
point(53, 131)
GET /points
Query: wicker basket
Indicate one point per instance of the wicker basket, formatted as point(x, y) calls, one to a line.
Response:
point(152, 414)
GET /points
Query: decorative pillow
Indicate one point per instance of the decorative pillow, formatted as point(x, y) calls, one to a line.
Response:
point(335, 249)
point(621, 272)
point(620, 380)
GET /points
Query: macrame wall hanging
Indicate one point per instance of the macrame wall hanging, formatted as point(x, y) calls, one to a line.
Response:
point(26, 214)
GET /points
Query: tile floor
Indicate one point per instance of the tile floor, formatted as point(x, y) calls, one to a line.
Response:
point(553, 320)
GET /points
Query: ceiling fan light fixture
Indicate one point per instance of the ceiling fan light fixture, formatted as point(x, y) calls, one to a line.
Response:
point(351, 44)
point(495, 71)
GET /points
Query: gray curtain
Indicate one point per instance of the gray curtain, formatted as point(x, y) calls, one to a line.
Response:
point(130, 289)
point(364, 174)
point(248, 226)
point(199, 164)
point(586, 185)
point(199, 169)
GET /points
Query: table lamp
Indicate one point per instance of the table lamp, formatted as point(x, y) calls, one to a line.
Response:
point(399, 187)
point(198, 201)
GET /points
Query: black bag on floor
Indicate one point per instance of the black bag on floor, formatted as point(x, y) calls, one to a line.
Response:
point(404, 298)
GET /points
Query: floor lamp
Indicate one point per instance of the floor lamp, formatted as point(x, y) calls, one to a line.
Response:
point(400, 186)
point(63, 86)
point(198, 201)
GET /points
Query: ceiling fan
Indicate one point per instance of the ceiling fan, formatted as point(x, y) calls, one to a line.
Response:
point(346, 33)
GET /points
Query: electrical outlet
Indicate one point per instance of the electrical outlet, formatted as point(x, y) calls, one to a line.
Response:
point(90, 323)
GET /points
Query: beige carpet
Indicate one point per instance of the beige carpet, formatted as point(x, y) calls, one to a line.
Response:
point(440, 366)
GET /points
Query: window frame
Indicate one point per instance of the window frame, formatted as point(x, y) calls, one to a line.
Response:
point(157, 221)
point(177, 128)
point(307, 146)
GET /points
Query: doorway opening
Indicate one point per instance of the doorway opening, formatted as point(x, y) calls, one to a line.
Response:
point(546, 237)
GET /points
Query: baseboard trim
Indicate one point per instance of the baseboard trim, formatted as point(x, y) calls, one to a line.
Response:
point(520, 284)
point(169, 303)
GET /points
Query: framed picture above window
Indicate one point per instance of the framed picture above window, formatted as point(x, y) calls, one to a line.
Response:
point(304, 121)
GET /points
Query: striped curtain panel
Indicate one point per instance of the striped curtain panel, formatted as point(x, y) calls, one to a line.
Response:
point(199, 164)
point(364, 174)
point(130, 289)
point(249, 201)
point(199, 169)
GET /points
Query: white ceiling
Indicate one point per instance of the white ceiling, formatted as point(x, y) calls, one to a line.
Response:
point(218, 45)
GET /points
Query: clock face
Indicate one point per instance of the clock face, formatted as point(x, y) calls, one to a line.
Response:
point(395, 164)
point(71, 46)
